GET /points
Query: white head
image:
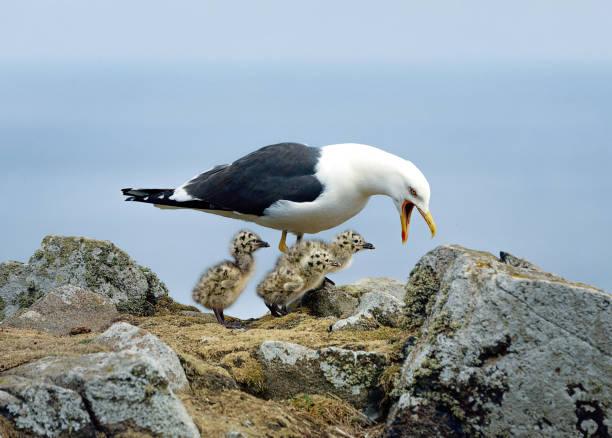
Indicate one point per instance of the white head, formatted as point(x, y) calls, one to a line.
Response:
point(373, 171)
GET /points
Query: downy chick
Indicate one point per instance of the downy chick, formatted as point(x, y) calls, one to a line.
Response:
point(222, 284)
point(277, 285)
point(302, 276)
point(342, 248)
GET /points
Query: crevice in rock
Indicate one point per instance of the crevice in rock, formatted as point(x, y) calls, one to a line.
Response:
point(92, 415)
point(590, 410)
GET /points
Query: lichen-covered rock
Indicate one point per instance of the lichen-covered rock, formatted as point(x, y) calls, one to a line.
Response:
point(95, 265)
point(125, 337)
point(343, 301)
point(328, 300)
point(43, 409)
point(291, 369)
point(124, 391)
point(359, 321)
point(504, 349)
point(375, 308)
point(390, 286)
point(63, 309)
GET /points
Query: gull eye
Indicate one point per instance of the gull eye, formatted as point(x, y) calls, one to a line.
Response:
point(413, 192)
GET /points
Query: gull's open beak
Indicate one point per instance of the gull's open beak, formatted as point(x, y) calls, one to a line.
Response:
point(407, 208)
point(262, 244)
point(367, 245)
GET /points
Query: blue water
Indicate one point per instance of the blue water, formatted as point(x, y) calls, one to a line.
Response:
point(518, 157)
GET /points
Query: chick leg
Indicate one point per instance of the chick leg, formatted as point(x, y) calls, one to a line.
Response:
point(221, 320)
point(283, 310)
point(283, 242)
point(298, 238)
point(273, 310)
point(219, 315)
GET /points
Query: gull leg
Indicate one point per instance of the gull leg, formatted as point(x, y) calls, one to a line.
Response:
point(283, 242)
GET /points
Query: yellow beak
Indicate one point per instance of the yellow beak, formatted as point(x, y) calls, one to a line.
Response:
point(407, 208)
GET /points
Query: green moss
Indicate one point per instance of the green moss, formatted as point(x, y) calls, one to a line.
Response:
point(441, 323)
point(137, 307)
point(303, 402)
point(420, 295)
point(389, 380)
point(26, 298)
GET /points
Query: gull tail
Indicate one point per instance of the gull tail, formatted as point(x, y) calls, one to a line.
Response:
point(152, 196)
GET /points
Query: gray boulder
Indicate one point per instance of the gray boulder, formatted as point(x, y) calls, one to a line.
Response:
point(125, 337)
point(43, 409)
point(504, 349)
point(64, 309)
point(290, 369)
point(375, 308)
point(343, 301)
point(124, 391)
point(95, 265)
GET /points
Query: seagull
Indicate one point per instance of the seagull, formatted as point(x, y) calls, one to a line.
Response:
point(300, 189)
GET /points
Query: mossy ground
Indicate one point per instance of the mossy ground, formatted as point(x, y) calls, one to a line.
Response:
point(225, 378)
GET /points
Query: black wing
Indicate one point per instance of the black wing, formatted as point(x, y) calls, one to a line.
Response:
point(254, 182)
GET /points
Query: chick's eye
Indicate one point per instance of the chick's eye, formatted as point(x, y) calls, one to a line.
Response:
point(355, 241)
point(413, 192)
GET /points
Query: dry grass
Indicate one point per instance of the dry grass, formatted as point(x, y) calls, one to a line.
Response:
point(19, 346)
point(225, 378)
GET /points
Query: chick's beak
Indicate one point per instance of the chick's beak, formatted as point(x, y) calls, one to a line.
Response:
point(407, 208)
point(262, 244)
point(336, 264)
point(367, 245)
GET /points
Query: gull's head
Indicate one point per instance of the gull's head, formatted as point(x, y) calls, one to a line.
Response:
point(409, 189)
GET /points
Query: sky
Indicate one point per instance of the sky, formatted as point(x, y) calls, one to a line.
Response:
point(504, 107)
point(305, 32)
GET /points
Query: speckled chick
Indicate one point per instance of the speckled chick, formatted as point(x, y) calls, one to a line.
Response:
point(277, 285)
point(308, 272)
point(342, 248)
point(222, 284)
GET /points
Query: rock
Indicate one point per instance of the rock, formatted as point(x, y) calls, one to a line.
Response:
point(95, 265)
point(125, 337)
point(359, 321)
point(342, 301)
point(290, 369)
point(124, 391)
point(375, 308)
point(43, 409)
point(328, 301)
point(417, 418)
point(390, 286)
point(504, 348)
point(64, 309)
